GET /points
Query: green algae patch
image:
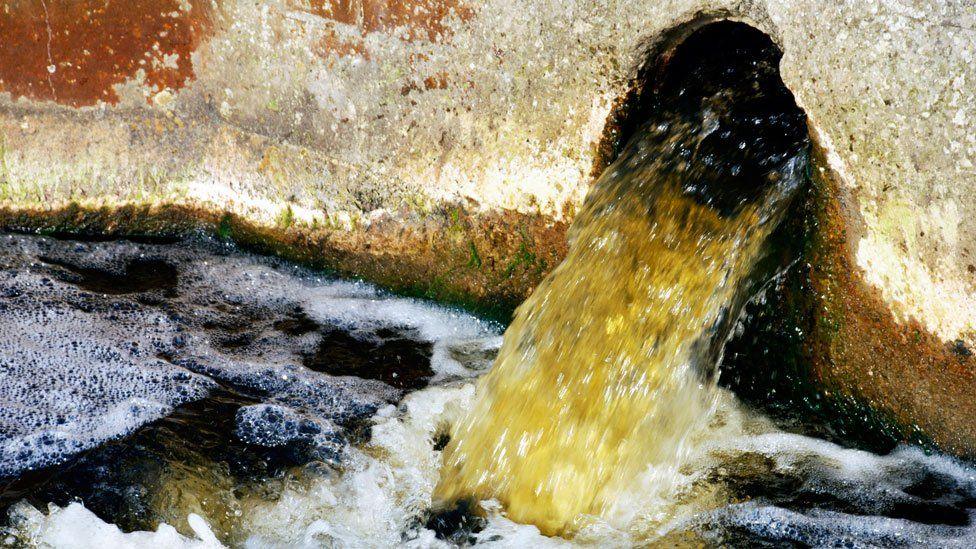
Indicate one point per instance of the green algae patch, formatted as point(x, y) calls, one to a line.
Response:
point(484, 262)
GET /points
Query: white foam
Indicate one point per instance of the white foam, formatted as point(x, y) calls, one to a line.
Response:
point(819, 528)
point(78, 368)
point(356, 306)
point(376, 502)
point(383, 492)
point(69, 382)
point(74, 527)
point(382, 498)
point(71, 375)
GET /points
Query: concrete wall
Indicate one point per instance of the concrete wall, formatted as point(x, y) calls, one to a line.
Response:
point(444, 144)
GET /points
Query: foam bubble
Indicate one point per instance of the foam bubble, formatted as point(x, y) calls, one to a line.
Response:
point(69, 382)
point(98, 338)
point(78, 367)
point(820, 528)
point(384, 495)
point(74, 527)
point(381, 497)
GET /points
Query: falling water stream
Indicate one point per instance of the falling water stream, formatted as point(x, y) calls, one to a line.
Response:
point(606, 368)
point(188, 394)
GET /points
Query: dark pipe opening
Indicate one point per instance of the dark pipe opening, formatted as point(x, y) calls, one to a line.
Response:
point(731, 70)
point(722, 76)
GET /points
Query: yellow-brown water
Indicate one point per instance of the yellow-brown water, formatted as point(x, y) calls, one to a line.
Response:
point(597, 377)
point(204, 470)
point(606, 370)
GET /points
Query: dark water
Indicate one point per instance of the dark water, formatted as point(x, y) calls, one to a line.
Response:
point(392, 355)
point(245, 437)
point(136, 276)
point(151, 380)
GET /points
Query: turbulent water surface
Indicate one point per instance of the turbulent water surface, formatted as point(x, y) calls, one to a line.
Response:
point(195, 407)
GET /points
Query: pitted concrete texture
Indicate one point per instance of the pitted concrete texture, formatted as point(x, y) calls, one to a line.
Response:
point(334, 114)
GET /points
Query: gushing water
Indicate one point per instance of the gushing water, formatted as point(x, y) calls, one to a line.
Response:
point(606, 367)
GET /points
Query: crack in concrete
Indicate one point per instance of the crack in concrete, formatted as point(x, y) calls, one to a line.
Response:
point(51, 67)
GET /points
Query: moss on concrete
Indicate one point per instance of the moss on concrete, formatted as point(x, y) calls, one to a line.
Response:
point(487, 263)
point(822, 350)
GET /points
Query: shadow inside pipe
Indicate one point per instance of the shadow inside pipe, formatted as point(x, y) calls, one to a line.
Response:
point(730, 70)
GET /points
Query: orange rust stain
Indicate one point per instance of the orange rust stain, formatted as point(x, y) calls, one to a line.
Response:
point(420, 19)
point(858, 347)
point(332, 42)
point(74, 51)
